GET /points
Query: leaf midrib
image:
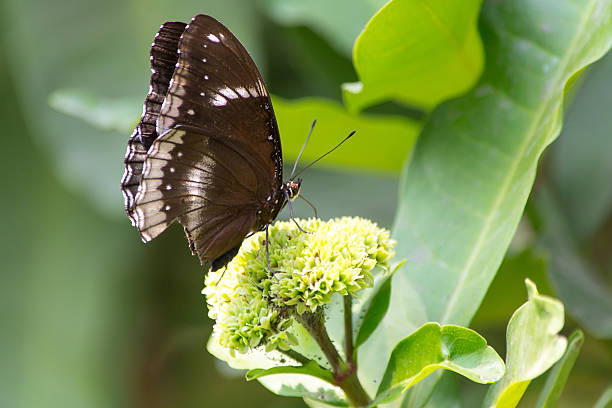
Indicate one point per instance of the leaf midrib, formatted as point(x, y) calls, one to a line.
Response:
point(513, 169)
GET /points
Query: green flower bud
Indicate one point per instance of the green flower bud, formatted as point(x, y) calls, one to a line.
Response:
point(253, 306)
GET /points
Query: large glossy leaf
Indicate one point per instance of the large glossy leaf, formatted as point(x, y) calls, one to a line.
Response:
point(533, 346)
point(581, 167)
point(468, 178)
point(431, 347)
point(416, 52)
point(339, 21)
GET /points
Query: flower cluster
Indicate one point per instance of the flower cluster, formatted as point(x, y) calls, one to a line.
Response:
point(253, 306)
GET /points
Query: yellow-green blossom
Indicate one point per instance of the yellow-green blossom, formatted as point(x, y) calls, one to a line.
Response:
point(253, 306)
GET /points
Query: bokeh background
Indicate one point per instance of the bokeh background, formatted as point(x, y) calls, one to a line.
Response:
point(92, 317)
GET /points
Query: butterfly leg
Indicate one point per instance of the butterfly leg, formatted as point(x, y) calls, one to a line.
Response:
point(311, 205)
point(291, 215)
point(222, 275)
point(268, 251)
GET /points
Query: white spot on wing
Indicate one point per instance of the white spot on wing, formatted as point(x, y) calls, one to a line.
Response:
point(253, 92)
point(218, 100)
point(228, 93)
point(213, 38)
point(203, 59)
point(191, 112)
point(242, 92)
point(206, 77)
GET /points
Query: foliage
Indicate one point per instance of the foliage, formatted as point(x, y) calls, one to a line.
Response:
point(511, 67)
point(533, 346)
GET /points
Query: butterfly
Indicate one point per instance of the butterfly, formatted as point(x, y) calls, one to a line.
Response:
point(207, 150)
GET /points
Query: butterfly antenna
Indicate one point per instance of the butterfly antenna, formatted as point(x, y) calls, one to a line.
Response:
point(303, 147)
point(337, 146)
point(310, 204)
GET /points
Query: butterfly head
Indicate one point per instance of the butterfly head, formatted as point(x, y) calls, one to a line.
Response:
point(292, 187)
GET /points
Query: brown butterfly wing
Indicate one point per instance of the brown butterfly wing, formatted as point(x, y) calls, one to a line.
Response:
point(164, 57)
point(217, 166)
point(188, 176)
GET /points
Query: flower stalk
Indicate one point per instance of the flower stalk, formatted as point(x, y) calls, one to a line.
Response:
point(345, 374)
point(348, 331)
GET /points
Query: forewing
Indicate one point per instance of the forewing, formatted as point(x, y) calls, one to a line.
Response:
point(164, 56)
point(203, 181)
point(217, 88)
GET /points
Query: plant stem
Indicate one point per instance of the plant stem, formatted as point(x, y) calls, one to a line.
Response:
point(354, 390)
point(345, 375)
point(313, 323)
point(348, 330)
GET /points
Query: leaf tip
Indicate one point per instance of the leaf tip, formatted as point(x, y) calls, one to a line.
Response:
point(532, 290)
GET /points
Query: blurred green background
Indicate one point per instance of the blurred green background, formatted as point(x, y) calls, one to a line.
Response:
point(94, 318)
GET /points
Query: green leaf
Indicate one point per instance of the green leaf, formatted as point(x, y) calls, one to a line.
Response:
point(431, 347)
point(555, 383)
point(580, 161)
point(533, 346)
point(374, 313)
point(370, 307)
point(417, 52)
point(585, 295)
point(311, 368)
point(394, 135)
point(118, 114)
point(468, 178)
point(605, 401)
point(340, 21)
